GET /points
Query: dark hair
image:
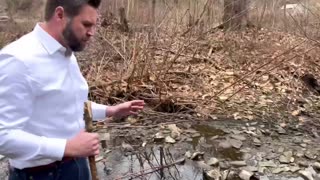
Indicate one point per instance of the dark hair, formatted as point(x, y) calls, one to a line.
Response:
point(71, 7)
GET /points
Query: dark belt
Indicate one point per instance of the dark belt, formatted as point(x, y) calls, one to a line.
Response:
point(48, 166)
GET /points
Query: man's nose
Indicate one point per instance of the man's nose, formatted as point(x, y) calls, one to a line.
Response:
point(91, 32)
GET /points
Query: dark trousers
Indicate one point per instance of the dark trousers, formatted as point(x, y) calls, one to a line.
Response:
point(76, 169)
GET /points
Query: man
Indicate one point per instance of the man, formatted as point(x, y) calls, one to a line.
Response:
point(42, 94)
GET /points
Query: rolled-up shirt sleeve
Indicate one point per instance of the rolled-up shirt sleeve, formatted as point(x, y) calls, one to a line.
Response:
point(98, 111)
point(17, 93)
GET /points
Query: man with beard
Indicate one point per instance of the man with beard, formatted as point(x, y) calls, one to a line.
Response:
point(42, 94)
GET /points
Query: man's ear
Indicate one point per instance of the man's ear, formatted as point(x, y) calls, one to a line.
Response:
point(59, 13)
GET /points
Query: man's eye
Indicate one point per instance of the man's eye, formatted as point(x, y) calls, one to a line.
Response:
point(87, 25)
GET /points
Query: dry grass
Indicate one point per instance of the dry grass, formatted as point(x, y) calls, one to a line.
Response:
point(176, 59)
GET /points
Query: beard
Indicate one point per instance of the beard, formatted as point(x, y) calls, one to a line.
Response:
point(71, 39)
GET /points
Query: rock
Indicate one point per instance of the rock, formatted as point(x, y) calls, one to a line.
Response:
point(236, 132)
point(238, 137)
point(245, 175)
point(307, 141)
point(175, 131)
point(235, 143)
point(262, 170)
point(213, 174)
point(294, 169)
point(267, 164)
point(277, 170)
point(299, 154)
point(259, 132)
point(232, 175)
point(225, 144)
point(257, 142)
point(316, 165)
point(127, 147)
point(238, 163)
point(196, 135)
point(203, 165)
point(252, 162)
point(188, 154)
point(286, 157)
point(224, 174)
point(213, 161)
point(271, 156)
point(303, 163)
point(251, 133)
point(214, 137)
point(170, 140)
point(1, 157)
point(280, 130)
point(253, 123)
point(250, 168)
point(308, 173)
point(197, 155)
point(224, 165)
point(191, 131)
point(251, 128)
point(159, 137)
point(264, 178)
point(281, 150)
point(304, 145)
point(310, 155)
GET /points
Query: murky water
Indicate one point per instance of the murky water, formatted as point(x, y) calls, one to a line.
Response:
point(159, 161)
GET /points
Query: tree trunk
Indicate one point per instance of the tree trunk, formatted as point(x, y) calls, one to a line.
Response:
point(235, 14)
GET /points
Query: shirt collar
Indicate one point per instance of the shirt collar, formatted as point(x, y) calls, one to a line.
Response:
point(49, 43)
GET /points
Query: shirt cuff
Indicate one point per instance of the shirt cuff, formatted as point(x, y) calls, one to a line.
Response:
point(54, 148)
point(98, 111)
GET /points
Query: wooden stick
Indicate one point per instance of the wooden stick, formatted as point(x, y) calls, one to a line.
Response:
point(89, 128)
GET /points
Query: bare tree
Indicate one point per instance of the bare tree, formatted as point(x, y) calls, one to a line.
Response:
point(235, 14)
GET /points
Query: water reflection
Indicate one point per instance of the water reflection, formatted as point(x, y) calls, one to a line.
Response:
point(152, 163)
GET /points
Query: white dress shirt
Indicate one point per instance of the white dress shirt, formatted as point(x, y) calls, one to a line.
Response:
point(42, 94)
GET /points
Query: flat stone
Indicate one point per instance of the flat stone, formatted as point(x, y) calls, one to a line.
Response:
point(280, 130)
point(307, 174)
point(191, 131)
point(252, 128)
point(235, 143)
point(170, 140)
point(310, 155)
point(267, 164)
point(188, 154)
point(281, 150)
point(304, 145)
point(250, 168)
point(197, 155)
point(303, 163)
point(294, 168)
point(236, 132)
point(238, 163)
point(316, 165)
point(196, 135)
point(277, 170)
point(238, 137)
point(213, 174)
point(213, 161)
point(245, 175)
point(257, 142)
point(225, 144)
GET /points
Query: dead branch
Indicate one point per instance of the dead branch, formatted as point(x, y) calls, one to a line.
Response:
point(152, 170)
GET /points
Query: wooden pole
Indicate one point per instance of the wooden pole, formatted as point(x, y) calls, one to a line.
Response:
point(89, 128)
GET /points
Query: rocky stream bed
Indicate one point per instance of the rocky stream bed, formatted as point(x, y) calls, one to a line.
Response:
point(196, 150)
